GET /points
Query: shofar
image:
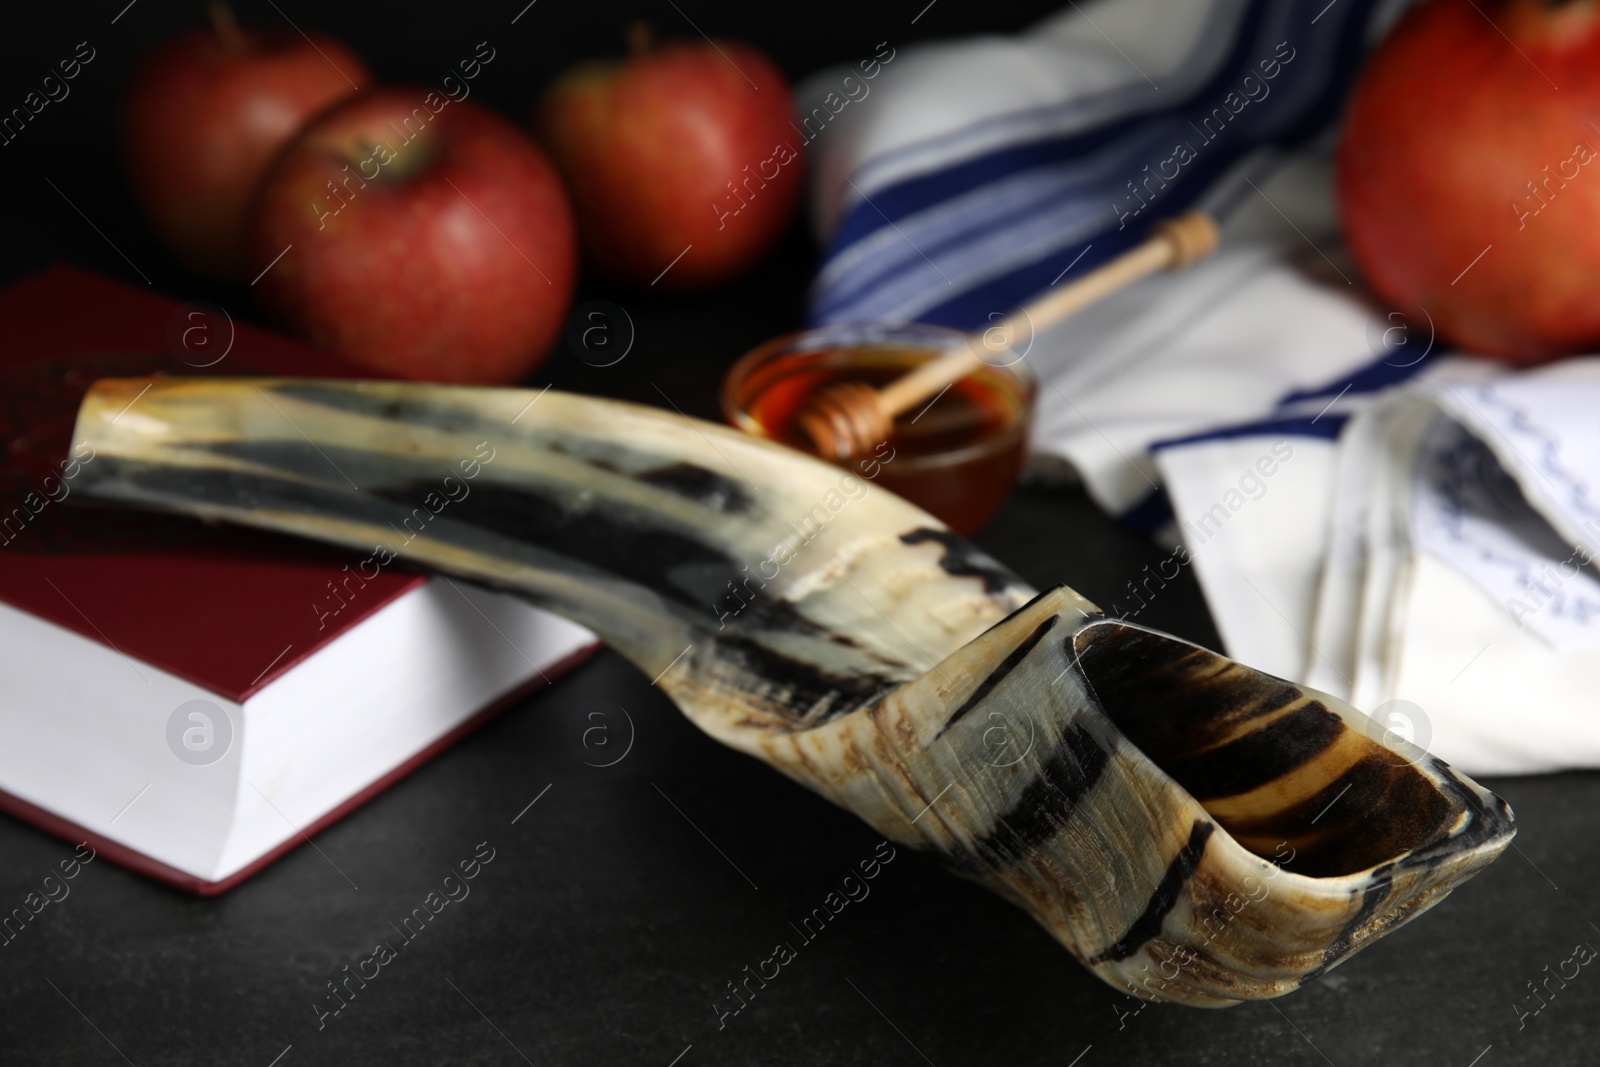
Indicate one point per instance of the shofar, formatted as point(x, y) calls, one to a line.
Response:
point(1192, 830)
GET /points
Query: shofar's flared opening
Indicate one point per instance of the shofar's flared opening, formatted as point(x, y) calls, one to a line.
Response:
point(1271, 761)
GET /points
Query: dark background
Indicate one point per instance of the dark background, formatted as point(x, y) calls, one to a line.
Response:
point(607, 924)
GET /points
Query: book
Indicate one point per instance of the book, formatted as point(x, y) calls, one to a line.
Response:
point(194, 700)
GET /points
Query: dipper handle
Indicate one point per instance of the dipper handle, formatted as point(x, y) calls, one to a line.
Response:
point(847, 419)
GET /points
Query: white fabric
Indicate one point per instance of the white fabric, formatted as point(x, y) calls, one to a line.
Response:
point(1461, 584)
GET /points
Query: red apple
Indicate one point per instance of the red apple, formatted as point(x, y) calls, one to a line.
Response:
point(688, 147)
point(425, 237)
point(205, 116)
point(1469, 183)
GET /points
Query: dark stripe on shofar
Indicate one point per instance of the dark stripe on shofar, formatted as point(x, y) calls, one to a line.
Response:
point(798, 690)
point(1171, 698)
point(998, 675)
point(691, 481)
point(620, 538)
point(1258, 757)
point(386, 523)
point(1334, 831)
point(617, 539)
point(1043, 808)
point(705, 487)
point(420, 409)
point(1371, 899)
point(339, 466)
point(963, 560)
point(1031, 602)
point(504, 522)
point(1148, 925)
point(1483, 825)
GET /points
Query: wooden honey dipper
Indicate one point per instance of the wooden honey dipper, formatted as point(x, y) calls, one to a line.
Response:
point(848, 418)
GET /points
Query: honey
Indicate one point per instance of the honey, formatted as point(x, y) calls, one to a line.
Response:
point(955, 456)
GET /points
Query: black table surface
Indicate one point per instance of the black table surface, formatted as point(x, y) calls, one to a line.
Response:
point(617, 908)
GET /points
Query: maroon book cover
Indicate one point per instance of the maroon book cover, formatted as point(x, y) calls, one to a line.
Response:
point(226, 608)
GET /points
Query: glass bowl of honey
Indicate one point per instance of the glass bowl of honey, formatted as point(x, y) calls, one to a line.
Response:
point(955, 456)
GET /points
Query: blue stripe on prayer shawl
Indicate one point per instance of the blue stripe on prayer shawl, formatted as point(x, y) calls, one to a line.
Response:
point(1077, 175)
point(1380, 374)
